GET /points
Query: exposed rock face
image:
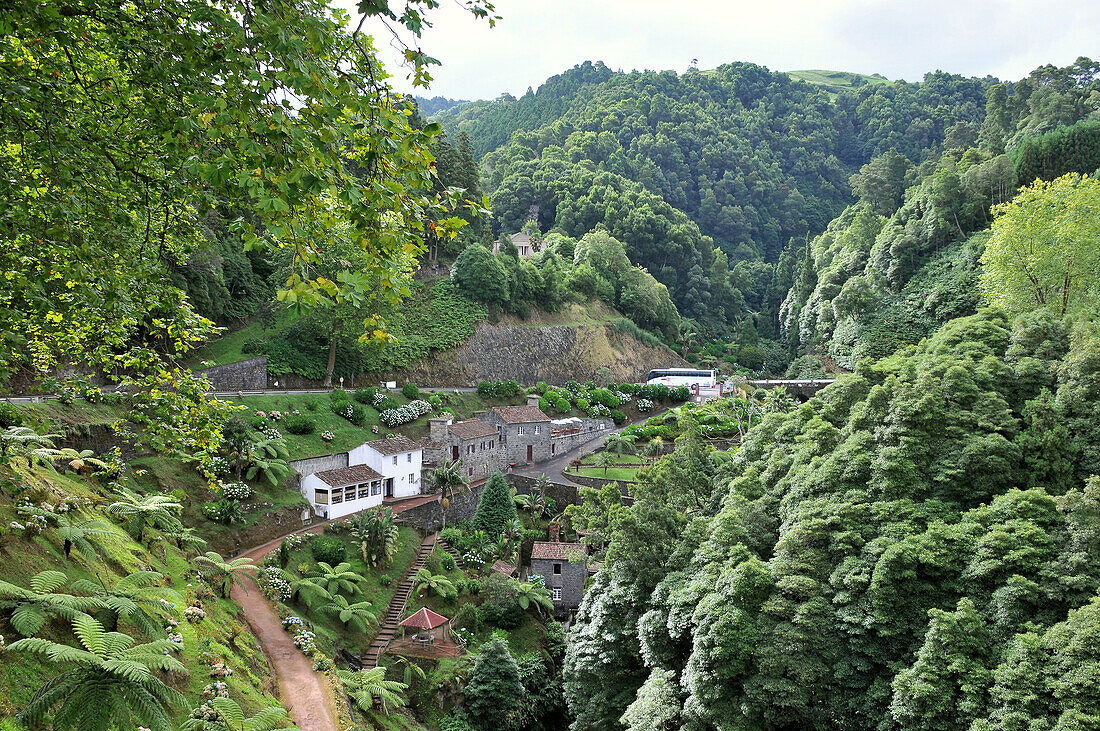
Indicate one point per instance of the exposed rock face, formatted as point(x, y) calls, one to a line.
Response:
point(554, 354)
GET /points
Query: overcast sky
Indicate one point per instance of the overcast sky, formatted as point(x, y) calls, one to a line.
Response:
point(900, 39)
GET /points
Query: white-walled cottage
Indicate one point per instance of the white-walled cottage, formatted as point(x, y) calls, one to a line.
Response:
point(384, 468)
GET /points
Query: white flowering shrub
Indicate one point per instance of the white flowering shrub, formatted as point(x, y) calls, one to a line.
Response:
point(599, 411)
point(235, 491)
point(327, 435)
point(624, 398)
point(644, 404)
point(272, 433)
point(408, 413)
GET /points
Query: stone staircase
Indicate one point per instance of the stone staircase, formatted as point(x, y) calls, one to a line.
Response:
point(446, 547)
point(388, 628)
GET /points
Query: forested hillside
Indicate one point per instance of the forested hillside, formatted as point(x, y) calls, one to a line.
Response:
point(716, 182)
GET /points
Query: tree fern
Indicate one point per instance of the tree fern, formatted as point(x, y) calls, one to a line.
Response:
point(112, 684)
point(231, 718)
point(31, 607)
point(366, 687)
point(224, 573)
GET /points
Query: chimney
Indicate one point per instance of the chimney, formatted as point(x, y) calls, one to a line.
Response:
point(533, 400)
point(554, 531)
point(437, 428)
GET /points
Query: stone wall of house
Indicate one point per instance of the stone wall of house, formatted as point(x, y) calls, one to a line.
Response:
point(309, 465)
point(244, 375)
point(570, 580)
point(516, 443)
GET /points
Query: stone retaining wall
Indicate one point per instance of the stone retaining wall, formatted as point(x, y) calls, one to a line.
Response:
point(244, 375)
point(309, 465)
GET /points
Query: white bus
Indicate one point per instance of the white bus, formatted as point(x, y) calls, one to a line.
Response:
point(673, 377)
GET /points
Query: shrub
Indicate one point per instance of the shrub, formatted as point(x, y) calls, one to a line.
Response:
point(544, 404)
point(299, 424)
point(447, 562)
point(385, 579)
point(338, 397)
point(751, 356)
point(618, 417)
point(501, 606)
point(540, 388)
point(582, 404)
point(610, 399)
point(680, 394)
point(410, 391)
point(435, 401)
point(223, 511)
point(405, 414)
point(330, 550)
point(466, 617)
point(562, 405)
point(236, 491)
point(365, 395)
point(312, 404)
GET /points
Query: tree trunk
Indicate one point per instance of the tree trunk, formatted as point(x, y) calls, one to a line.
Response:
point(331, 359)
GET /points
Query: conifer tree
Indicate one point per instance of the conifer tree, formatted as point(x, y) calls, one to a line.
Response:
point(495, 509)
point(494, 694)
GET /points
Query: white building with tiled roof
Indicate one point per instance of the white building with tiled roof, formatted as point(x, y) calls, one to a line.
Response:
point(379, 469)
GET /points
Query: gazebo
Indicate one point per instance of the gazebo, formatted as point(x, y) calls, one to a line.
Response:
point(424, 621)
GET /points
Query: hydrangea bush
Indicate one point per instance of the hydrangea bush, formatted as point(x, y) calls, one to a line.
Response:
point(405, 414)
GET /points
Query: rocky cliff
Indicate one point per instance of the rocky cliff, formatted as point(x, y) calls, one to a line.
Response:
point(551, 353)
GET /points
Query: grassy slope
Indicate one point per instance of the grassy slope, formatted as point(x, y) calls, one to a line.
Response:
point(377, 588)
point(837, 81)
point(464, 405)
point(221, 636)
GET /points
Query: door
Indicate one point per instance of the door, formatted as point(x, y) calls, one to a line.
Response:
point(530, 451)
point(454, 453)
point(389, 487)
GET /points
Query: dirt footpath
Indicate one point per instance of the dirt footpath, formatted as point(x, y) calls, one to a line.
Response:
point(304, 692)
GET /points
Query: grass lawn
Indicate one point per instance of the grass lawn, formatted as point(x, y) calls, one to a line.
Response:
point(612, 473)
point(623, 459)
point(227, 348)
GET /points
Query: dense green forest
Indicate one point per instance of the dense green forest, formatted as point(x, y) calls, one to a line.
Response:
point(916, 546)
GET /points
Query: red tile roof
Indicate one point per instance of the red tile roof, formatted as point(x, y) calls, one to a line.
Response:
point(472, 429)
point(349, 475)
point(503, 567)
point(424, 618)
point(556, 551)
point(520, 414)
point(394, 445)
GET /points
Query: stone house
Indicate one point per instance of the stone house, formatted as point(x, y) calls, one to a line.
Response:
point(375, 471)
point(564, 566)
point(522, 242)
point(524, 430)
point(473, 441)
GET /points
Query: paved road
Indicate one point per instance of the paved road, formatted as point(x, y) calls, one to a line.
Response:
point(233, 394)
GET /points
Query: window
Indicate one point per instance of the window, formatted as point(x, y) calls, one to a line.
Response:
point(491, 445)
point(555, 593)
point(538, 429)
point(519, 430)
point(412, 477)
point(349, 493)
point(320, 497)
point(376, 488)
point(471, 472)
point(557, 568)
point(395, 459)
point(409, 457)
point(337, 497)
point(364, 490)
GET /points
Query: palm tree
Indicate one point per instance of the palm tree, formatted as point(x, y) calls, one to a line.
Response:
point(438, 583)
point(367, 687)
point(134, 598)
point(448, 480)
point(156, 510)
point(337, 578)
point(80, 534)
point(533, 595)
point(32, 606)
point(656, 447)
point(605, 459)
point(231, 718)
point(112, 685)
point(358, 613)
point(620, 443)
point(224, 573)
point(542, 482)
point(778, 399)
point(236, 435)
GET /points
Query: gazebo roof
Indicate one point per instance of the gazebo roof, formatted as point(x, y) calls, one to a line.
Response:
point(424, 618)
